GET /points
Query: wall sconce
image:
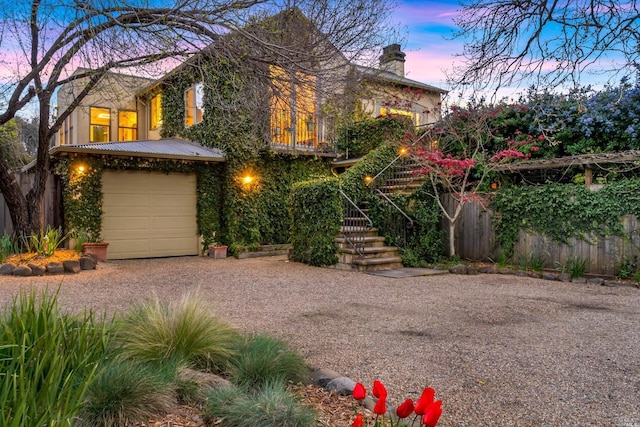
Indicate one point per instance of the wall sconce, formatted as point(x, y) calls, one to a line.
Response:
point(247, 179)
point(368, 179)
point(496, 185)
point(403, 151)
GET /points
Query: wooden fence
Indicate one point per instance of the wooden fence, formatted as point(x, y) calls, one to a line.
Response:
point(476, 240)
point(52, 203)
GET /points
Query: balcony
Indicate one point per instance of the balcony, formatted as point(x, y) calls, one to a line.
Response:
point(299, 134)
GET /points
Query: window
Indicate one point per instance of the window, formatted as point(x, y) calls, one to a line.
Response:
point(155, 114)
point(127, 125)
point(415, 117)
point(293, 107)
point(100, 122)
point(193, 104)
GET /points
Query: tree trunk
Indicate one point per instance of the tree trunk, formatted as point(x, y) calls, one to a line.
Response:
point(452, 242)
point(15, 200)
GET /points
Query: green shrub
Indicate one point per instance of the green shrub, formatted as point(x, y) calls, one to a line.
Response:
point(271, 406)
point(44, 242)
point(576, 266)
point(180, 332)
point(7, 247)
point(126, 393)
point(316, 210)
point(47, 361)
point(262, 359)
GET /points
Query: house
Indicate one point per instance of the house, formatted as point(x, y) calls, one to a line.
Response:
point(209, 151)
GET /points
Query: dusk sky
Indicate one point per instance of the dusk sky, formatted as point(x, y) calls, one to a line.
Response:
point(428, 27)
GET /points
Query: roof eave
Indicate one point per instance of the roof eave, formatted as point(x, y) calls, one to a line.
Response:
point(62, 150)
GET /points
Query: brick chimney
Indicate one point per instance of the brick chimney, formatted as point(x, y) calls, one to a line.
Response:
point(392, 59)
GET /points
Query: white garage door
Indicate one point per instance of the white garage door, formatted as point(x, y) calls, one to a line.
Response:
point(149, 214)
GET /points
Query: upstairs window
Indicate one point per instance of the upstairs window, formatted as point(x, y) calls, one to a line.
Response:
point(415, 117)
point(155, 112)
point(100, 123)
point(127, 125)
point(194, 104)
point(293, 109)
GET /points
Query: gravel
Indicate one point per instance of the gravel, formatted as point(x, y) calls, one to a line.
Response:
point(500, 350)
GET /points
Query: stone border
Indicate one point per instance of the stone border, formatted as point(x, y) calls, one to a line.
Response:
point(471, 269)
point(85, 262)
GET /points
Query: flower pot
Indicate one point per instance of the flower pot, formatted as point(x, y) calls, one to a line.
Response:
point(218, 251)
point(99, 249)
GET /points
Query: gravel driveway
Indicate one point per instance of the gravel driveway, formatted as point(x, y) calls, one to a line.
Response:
point(499, 350)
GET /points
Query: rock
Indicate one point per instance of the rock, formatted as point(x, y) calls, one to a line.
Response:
point(458, 269)
point(492, 270)
point(484, 268)
point(55, 268)
point(36, 270)
point(505, 271)
point(341, 385)
point(71, 265)
point(549, 276)
point(522, 273)
point(535, 274)
point(322, 377)
point(87, 262)
point(7, 269)
point(472, 270)
point(564, 277)
point(579, 280)
point(22, 271)
point(93, 256)
point(597, 281)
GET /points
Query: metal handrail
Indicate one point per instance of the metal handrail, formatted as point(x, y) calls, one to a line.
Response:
point(389, 201)
point(355, 224)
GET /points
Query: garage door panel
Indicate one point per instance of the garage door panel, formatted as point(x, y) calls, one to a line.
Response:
point(149, 214)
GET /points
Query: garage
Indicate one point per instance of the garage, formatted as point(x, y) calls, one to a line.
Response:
point(149, 214)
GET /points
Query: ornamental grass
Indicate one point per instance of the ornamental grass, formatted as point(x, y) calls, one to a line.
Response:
point(178, 332)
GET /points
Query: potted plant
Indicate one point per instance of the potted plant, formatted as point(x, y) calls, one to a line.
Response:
point(217, 250)
point(88, 243)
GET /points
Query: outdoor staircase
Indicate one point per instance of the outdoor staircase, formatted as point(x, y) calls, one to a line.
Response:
point(401, 178)
point(374, 254)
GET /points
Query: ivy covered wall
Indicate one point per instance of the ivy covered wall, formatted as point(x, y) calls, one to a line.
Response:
point(255, 213)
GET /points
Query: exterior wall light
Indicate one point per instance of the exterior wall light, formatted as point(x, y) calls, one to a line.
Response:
point(403, 151)
point(247, 179)
point(368, 179)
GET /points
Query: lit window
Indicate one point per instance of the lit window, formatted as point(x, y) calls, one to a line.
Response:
point(293, 108)
point(155, 115)
point(99, 126)
point(127, 125)
point(193, 104)
point(415, 117)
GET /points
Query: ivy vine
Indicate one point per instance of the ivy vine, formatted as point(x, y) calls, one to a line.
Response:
point(564, 211)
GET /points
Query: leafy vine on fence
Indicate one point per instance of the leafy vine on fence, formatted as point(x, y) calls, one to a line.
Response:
point(564, 211)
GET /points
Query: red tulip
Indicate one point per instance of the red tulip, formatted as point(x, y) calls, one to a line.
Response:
point(379, 390)
point(404, 410)
point(359, 392)
point(358, 422)
point(431, 417)
point(425, 400)
point(381, 406)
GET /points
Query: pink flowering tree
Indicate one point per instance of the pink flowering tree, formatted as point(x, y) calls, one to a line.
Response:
point(453, 156)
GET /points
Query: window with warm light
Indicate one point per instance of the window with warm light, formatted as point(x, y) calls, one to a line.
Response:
point(415, 117)
point(194, 104)
point(127, 125)
point(100, 124)
point(155, 112)
point(293, 109)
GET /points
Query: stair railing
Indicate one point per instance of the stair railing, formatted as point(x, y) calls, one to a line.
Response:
point(355, 224)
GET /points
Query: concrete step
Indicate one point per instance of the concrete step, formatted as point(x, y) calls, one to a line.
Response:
point(377, 264)
point(350, 255)
point(369, 241)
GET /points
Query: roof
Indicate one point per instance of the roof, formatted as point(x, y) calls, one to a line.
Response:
point(163, 149)
point(388, 76)
point(629, 156)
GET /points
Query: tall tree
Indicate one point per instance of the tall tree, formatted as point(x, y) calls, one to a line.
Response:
point(548, 42)
point(43, 41)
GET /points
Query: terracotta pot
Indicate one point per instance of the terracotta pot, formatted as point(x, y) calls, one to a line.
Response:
point(99, 249)
point(218, 251)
